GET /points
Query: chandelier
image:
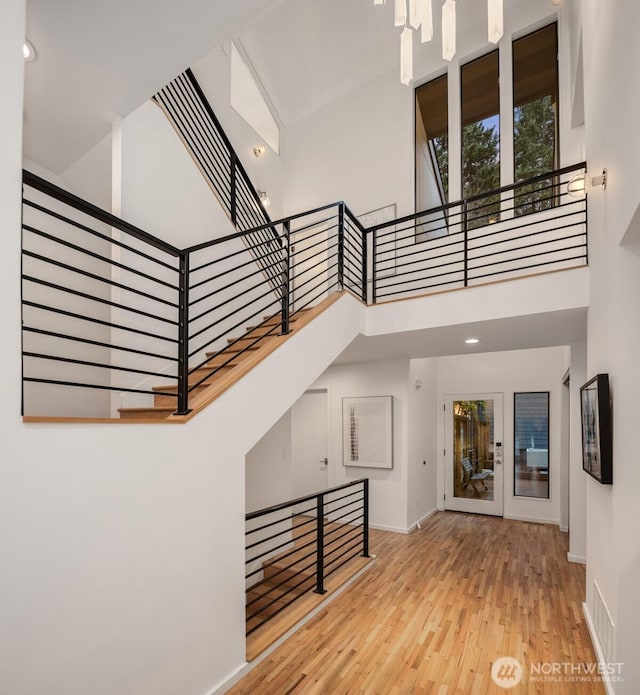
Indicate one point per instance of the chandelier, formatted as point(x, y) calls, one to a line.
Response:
point(419, 15)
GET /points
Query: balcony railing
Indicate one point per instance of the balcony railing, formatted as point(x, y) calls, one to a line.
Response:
point(523, 228)
point(108, 308)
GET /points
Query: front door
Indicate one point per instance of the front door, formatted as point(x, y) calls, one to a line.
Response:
point(473, 453)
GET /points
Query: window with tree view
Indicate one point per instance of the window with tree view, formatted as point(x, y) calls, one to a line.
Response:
point(535, 118)
point(480, 102)
point(432, 144)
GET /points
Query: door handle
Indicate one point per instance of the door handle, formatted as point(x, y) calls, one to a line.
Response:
point(325, 461)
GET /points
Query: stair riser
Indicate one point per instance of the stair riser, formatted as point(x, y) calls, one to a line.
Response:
point(271, 330)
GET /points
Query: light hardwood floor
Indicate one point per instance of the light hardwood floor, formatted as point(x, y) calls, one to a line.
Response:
point(436, 610)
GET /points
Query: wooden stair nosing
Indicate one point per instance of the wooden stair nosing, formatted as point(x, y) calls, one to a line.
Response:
point(148, 413)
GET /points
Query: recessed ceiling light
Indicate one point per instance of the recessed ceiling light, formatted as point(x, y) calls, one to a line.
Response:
point(28, 51)
point(472, 341)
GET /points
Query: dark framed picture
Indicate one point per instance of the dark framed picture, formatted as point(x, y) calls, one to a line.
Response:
point(597, 430)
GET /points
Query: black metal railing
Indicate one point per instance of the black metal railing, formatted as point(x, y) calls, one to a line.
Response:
point(515, 230)
point(100, 305)
point(122, 317)
point(232, 310)
point(193, 118)
point(291, 548)
point(111, 309)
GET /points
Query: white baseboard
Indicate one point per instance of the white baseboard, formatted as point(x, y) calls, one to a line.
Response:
point(421, 521)
point(577, 558)
point(223, 686)
point(405, 531)
point(597, 646)
point(530, 519)
point(564, 529)
point(393, 529)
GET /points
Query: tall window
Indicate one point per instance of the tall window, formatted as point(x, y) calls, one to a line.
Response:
point(432, 144)
point(535, 116)
point(480, 108)
point(531, 444)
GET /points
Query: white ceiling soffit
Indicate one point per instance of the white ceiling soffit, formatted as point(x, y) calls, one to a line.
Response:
point(100, 60)
point(516, 333)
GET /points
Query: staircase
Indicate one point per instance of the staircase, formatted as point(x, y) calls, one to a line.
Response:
point(226, 367)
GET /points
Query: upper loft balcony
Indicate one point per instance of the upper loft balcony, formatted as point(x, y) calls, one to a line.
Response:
point(115, 318)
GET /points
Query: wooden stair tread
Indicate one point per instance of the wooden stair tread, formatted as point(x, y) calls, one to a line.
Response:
point(236, 360)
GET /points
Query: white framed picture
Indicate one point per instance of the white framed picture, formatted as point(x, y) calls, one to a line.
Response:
point(367, 431)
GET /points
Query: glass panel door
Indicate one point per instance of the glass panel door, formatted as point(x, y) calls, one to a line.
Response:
point(473, 453)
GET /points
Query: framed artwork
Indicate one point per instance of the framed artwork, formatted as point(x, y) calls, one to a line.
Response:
point(367, 432)
point(597, 435)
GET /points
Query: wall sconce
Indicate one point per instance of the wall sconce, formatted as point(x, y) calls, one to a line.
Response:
point(264, 198)
point(258, 151)
point(600, 180)
point(581, 183)
point(28, 51)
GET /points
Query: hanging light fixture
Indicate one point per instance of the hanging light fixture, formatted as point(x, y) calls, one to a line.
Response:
point(406, 56)
point(415, 13)
point(449, 29)
point(426, 26)
point(495, 14)
point(400, 12)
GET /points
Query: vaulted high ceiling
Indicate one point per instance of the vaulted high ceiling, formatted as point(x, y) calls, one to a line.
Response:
point(100, 60)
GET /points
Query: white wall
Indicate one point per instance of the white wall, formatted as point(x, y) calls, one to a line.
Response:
point(358, 148)
point(268, 467)
point(162, 190)
point(611, 55)
point(90, 177)
point(506, 373)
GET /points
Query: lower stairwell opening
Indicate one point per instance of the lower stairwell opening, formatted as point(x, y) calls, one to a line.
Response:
point(296, 552)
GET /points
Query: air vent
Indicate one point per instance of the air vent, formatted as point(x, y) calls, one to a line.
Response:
point(603, 624)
